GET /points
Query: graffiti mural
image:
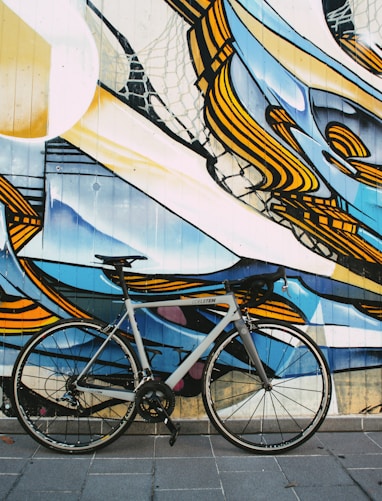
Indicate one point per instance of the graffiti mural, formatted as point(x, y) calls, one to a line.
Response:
point(219, 138)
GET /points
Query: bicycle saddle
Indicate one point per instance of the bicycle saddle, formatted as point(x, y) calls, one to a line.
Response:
point(119, 260)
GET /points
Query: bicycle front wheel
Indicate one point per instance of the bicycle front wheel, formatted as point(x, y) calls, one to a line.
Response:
point(267, 420)
point(46, 401)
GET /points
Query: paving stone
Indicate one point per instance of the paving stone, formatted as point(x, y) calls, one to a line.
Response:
point(10, 466)
point(331, 493)
point(129, 446)
point(7, 481)
point(257, 485)
point(121, 465)
point(370, 479)
point(314, 471)
point(43, 495)
point(349, 443)
point(362, 461)
point(19, 446)
point(330, 466)
point(61, 474)
point(249, 464)
point(126, 487)
point(190, 495)
point(375, 437)
point(186, 473)
point(185, 446)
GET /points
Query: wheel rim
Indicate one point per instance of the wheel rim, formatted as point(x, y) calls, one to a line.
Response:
point(49, 406)
point(265, 419)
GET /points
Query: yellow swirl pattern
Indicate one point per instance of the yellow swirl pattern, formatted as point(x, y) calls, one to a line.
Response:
point(239, 131)
point(22, 220)
point(347, 144)
point(23, 315)
point(323, 219)
point(361, 53)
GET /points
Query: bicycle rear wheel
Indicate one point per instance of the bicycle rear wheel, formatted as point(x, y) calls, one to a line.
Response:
point(48, 406)
point(272, 420)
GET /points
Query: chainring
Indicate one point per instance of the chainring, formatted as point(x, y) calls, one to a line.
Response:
point(149, 396)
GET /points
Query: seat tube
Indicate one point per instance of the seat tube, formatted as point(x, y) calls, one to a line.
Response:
point(133, 323)
point(137, 336)
point(245, 335)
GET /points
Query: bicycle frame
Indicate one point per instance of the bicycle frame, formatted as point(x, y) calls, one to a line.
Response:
point(232, 315)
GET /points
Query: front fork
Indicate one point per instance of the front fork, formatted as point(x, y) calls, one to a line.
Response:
point(249, 345)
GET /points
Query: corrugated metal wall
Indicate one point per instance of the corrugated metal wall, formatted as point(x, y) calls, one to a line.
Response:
point(219, 138)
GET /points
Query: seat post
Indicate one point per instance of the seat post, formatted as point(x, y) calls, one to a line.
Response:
point(122, 283)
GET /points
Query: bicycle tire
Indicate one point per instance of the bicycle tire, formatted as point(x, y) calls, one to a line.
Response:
point(49, 410)
point(274, 420)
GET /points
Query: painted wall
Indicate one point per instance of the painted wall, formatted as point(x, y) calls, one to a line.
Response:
point(219, 138)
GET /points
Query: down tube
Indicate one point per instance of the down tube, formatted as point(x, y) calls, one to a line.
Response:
point(232, 315)
point(186, 365)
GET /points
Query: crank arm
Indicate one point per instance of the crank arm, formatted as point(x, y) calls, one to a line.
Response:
point(171, 426)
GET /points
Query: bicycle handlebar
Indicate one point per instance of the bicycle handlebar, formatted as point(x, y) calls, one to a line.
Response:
point(256, 283)
point(265, 277)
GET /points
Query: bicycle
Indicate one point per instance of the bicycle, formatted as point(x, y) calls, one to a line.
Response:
point(266, 386)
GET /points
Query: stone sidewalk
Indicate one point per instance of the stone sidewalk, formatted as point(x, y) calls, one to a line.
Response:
point(331, 466)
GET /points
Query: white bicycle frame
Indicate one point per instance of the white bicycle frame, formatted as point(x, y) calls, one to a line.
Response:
point(232, 315)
